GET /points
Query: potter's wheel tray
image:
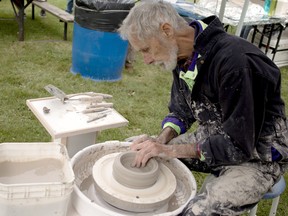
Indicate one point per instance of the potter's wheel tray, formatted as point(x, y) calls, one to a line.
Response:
point(89, 203)
point(134, 199)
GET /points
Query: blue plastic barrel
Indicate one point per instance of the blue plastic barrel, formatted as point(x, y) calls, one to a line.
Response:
point(98, 55)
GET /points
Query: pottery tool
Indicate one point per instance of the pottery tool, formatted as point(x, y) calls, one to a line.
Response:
point(92, 96)
point(106, 105)
point(97, 109)
point(53, 90)
point(99, 116)
point(94, 99)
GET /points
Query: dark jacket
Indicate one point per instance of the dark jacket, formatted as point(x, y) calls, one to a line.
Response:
point(235, 99)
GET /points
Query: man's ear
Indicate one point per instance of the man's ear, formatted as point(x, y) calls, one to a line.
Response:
point(167, 30)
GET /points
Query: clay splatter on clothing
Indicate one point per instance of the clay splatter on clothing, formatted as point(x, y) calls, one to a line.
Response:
point(234, 190)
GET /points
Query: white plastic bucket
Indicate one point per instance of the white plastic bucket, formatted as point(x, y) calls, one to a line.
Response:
point(32, 188)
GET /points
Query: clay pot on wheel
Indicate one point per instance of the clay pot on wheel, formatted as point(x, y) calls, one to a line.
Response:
point(134, 177)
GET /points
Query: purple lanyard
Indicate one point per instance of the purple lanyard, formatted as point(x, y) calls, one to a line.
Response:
point(198, 29)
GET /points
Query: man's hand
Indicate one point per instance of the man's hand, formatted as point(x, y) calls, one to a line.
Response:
point(141, 138)
point(151, 148)
point(147, 148)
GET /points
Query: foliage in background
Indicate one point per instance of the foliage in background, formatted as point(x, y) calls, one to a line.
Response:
point(141, 96)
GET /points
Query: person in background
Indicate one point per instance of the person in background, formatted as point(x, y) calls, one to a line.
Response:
point(43, 13)
point(69, 7)
point(233, 92)
point(19, 4)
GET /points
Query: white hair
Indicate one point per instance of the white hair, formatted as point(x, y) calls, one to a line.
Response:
point(146, 17)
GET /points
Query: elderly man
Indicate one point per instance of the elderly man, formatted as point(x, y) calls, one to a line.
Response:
point(231, 89)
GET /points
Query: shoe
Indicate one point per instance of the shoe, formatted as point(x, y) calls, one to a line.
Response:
point(43, 13)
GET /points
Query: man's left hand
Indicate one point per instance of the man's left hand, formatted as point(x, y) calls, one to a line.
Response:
point(148, 149)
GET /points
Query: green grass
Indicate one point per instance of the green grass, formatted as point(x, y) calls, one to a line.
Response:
point(141, 96)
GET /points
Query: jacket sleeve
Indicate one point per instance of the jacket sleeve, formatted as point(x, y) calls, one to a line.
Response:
point(180, 117)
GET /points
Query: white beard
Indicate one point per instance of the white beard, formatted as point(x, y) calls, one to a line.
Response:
point(171, 63)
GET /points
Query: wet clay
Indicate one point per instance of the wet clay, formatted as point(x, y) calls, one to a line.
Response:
point(134, 177)
point(38, 171)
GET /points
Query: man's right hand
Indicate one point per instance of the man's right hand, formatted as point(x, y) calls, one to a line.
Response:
point(141, 138)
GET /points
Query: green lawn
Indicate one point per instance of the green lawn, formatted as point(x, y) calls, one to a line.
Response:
point(141, 96)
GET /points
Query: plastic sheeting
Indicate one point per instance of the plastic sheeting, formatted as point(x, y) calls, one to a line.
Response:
point(102, 15)
point(100, 5)
point(234, 9)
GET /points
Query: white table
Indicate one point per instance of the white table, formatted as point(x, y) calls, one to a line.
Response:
point(66, 123)
point(195, 11)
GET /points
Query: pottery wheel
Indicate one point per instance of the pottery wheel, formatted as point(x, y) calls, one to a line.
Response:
point(129, 198)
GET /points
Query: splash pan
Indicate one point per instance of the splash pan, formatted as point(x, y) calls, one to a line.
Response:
point(87, 202)
point(134, 199)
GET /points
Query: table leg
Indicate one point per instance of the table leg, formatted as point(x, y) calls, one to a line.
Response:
point(19, 11)
point(18, 8)
point(33, 12)
point(262, 36)
point(254, 33)
point(65, 30)
point(21, 24)
point(269, 38)
point(277, 42)
point(77, 142)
